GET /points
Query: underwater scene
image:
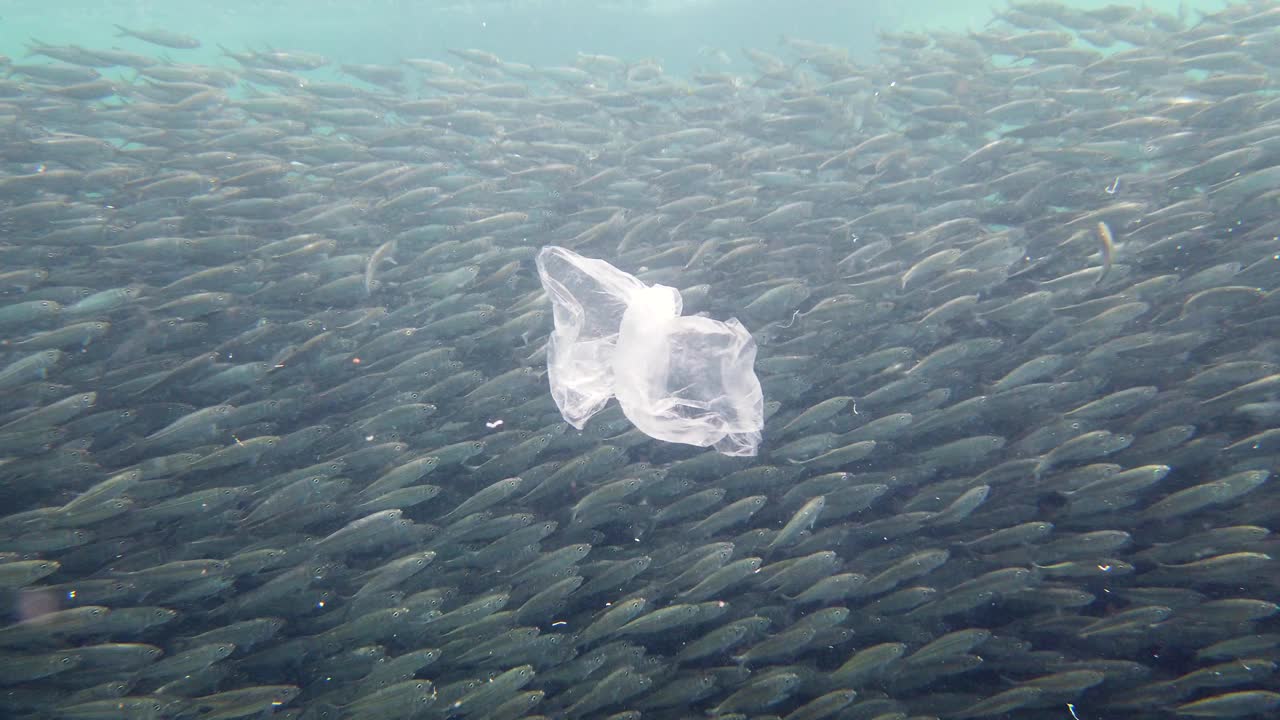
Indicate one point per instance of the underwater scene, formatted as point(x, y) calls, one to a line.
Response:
point(539, 361)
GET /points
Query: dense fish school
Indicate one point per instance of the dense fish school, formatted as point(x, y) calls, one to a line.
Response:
point(276, 437)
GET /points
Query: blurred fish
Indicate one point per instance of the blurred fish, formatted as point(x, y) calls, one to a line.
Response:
point(275, 435)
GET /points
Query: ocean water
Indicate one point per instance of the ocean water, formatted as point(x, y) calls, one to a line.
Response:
point(679, 33)
point(282, 435)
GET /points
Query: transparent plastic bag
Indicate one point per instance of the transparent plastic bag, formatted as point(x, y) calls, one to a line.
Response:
point(679, 379)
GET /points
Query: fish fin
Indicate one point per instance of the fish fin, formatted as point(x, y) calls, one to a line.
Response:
point(33, 44)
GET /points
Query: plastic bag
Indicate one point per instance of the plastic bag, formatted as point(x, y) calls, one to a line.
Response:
point(680, 379)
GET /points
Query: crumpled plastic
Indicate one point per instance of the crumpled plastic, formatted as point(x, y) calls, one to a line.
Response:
point(678, 379)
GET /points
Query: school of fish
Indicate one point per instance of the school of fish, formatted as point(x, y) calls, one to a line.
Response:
point(276, 438)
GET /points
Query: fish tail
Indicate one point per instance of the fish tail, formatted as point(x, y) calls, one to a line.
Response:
point(34, 45)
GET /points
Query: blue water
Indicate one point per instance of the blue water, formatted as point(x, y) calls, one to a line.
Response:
point(681, 34)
